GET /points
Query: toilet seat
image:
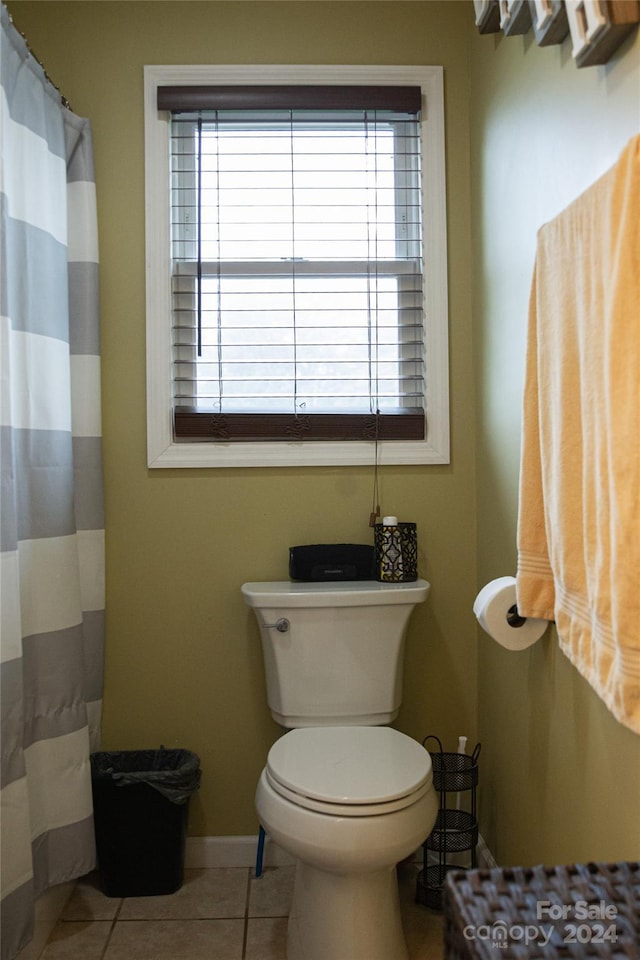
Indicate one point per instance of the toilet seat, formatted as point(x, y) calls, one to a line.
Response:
point(349, 771)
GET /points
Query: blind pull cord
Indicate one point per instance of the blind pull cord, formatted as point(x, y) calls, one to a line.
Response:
point(294, 259)
point(219, 344)
point(375, 270)
point(199, 236)
point(372, 254)
point(375, 506)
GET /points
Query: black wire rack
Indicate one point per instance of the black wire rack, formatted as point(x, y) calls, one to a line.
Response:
point(455, 830)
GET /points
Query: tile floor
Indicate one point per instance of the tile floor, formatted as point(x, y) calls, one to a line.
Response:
point(218, 914)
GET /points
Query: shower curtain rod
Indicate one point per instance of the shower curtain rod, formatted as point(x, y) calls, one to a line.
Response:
point(63, 99)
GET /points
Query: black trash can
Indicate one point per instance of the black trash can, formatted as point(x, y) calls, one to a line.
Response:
point(140, 804)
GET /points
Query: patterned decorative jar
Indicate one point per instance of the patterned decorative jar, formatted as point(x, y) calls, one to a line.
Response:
point(396, 551)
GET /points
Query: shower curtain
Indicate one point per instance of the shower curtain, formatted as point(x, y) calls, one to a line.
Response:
point(51, 513)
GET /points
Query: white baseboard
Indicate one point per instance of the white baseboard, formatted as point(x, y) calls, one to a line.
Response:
point(241, 851)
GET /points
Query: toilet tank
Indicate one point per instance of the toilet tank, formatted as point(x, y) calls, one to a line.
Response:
point(334, 652)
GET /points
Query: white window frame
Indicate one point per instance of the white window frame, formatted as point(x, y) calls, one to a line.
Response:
point(162, 450)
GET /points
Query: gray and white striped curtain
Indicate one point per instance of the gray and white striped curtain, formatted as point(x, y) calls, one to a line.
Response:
point(51, 507)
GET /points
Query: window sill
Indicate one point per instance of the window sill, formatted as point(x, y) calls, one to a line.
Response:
point(310, 454)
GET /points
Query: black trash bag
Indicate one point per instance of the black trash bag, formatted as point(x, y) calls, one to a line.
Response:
point(173, 773)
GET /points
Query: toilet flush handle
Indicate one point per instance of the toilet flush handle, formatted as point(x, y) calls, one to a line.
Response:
point(281, 625)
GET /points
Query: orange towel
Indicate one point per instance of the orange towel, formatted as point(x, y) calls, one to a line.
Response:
point(579, 509)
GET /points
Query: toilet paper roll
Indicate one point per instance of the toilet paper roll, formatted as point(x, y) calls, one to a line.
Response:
point(491, 607)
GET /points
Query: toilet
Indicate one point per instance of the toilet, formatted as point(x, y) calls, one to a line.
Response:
point(346, 795)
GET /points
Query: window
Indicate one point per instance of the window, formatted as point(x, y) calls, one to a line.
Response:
point(290, 318)
point(297, 264)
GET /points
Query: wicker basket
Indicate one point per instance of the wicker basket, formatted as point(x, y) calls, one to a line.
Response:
point(582, 911)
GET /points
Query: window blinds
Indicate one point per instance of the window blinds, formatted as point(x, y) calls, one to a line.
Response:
point(296, 264)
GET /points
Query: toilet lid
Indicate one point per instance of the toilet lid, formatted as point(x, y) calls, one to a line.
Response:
point(348, 768)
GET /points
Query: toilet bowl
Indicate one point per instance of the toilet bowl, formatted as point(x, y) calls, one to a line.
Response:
point(348, 803)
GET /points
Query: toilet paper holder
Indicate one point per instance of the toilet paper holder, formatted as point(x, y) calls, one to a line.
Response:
point(513, 617)
point(515, 620)
point(497, 613)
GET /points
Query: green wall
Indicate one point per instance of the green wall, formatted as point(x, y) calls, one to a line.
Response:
point(526, 132)
point(183, 659)
point(561, 777)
